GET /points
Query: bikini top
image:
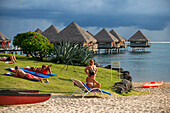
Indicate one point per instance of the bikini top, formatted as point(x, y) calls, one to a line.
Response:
point(92, 71)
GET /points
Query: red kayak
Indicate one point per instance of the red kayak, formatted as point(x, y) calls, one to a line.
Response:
point(152, 84)
point(15, 98)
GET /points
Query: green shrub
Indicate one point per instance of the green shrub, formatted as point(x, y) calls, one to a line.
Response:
point(75, 54)
point(33, 44)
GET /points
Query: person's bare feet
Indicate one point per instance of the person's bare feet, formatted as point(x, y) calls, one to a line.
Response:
point(42, 81)
point(47, 81)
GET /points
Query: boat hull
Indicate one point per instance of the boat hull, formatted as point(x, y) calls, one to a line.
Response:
point(152, 84)
point(22, 98)
point(18, 91)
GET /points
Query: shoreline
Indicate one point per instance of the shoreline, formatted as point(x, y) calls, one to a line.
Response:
point(156, 100)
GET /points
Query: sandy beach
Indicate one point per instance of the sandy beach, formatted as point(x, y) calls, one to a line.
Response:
point(156, 101)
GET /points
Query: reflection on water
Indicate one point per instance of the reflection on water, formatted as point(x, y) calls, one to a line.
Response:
point(153, 65)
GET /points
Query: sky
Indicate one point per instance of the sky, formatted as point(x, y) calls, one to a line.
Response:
point(126, 17)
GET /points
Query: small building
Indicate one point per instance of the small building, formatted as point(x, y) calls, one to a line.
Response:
point(51, 33)
point(4, 41)
point(121, 39)
point(105, 40)
point(39, 31)
point(139, 40)
point(75, 34)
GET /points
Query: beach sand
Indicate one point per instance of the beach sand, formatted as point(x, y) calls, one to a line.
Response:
point(156, 101)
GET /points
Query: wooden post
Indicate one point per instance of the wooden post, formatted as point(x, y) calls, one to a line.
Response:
point(110, 51)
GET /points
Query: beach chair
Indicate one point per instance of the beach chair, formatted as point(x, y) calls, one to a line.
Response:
point(84, 90)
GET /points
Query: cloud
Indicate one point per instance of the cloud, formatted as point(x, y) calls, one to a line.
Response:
point(127, 16)
point(11, 26)
point(150, 15)
point(127, 32)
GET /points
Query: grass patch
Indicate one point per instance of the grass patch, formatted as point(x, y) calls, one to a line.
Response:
point(61, 84)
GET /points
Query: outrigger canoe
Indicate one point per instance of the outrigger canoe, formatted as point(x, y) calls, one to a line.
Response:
point(152, 84)
point(22, 97)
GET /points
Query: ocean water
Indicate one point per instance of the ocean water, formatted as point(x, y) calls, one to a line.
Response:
point(151, 65)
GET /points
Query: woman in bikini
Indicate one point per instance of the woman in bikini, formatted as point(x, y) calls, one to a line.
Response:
point(92, 70)
point(92, 83)
point(11, 58)
point(44, 69)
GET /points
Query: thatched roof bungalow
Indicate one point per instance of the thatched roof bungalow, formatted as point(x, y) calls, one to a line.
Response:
point(51, 33)
point(39, 31)
point(105, 39)
point(75, 34)
point(121, 39)
point(139, 40)
point(4, 41)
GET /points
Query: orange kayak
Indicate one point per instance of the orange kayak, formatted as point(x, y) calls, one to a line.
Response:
point(152, 84)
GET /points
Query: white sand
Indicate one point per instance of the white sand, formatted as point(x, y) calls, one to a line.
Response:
point(157, 101)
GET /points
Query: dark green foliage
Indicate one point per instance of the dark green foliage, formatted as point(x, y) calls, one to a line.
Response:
point(34, 44)
point(75, 54)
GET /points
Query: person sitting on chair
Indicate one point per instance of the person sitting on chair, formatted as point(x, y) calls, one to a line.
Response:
point(44, 69)
point(10, 58)
point(22, 74)
point(92, 83)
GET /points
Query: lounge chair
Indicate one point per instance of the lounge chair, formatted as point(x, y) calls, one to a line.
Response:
point(84, 90)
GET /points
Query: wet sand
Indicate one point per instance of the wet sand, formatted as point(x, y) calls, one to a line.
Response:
point(157, 100)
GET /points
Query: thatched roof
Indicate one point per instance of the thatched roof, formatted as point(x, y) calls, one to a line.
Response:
point(51, 32)
point(74, 34)
point(139, 37)
point(4, 38)
point(105, 36)
point(120, 38)
point(39, 31)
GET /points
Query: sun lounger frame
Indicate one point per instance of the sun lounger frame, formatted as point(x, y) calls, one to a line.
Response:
point(83, 89)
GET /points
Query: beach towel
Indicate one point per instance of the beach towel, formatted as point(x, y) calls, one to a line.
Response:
point(9, 62)
point(33, 73)
point(29, 69)
point(9, 74)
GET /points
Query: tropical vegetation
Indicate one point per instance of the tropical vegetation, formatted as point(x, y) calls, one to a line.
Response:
point(34, 44)
point(69, 53)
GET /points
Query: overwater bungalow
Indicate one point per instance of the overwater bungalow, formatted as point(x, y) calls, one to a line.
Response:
point(106, 40)
point(121, 39)
point(139, 40)
point(4, 41)
point(51, 33)
point(75, 34)
point(39, 31)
